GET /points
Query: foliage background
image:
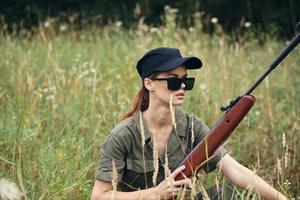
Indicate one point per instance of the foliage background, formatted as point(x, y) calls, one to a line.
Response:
point(275, 16)
point(63, 88)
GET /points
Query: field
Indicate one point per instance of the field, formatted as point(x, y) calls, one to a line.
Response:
point(62, 90)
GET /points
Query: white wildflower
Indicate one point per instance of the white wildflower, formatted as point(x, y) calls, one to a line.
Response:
point(197, 14)
point(214, 20)
point(47, 24)
point(203, 86)
point(153, 30)
point(63, 27)
point(287, 182)
point(118, 76)
point(93, 70)
point(191, 29)
point(167, 7)
point(9, 190)
point(173, 10)
point(50, 97)
point(247, 24)
point(257, 113)
point(119, 23)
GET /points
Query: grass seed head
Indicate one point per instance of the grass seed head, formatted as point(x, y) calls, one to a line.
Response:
point(114, 180)
point(172, 111)
point(155, 159)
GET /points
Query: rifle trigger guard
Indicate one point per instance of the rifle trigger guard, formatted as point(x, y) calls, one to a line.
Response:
point(231, 104)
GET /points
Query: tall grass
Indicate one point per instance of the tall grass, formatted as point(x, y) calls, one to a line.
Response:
point(62, 90)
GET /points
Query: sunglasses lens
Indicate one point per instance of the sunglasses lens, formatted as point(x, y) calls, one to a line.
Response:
point(174, 83)
point(189, 83)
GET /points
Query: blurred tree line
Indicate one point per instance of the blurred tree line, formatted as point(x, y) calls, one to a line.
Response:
point(274, 16)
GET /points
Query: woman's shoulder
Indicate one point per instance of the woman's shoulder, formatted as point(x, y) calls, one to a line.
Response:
point(120, 136)
point(124, 127)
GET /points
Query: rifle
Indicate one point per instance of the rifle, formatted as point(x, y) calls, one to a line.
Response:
point(235, 112)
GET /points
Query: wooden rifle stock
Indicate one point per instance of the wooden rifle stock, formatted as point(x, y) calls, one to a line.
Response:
point(216, 136)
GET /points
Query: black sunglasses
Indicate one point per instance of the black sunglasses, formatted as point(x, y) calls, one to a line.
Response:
point(174, 83)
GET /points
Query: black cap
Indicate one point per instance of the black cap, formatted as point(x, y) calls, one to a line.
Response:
point(165, 59)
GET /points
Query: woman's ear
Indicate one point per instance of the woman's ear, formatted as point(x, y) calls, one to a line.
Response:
point(148, 84)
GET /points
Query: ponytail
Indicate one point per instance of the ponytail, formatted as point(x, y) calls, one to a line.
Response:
point(141, 102)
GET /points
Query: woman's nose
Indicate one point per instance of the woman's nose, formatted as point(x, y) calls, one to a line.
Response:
point(182, 85)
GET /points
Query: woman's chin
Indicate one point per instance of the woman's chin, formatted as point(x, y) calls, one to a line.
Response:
point(178, 102)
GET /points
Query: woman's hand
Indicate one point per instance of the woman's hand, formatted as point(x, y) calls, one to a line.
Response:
point(169, 188)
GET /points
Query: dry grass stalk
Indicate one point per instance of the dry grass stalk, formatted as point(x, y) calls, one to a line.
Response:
point(172, 110)
point(286, 157)
point(143, 145)
point(193, 187)
point(250, 192)
point(258, 160)
point(204, 193)
point(166, 165)
point(9, 190)
point(279, 168)
point(183, 194)
point(218, 186)
point(114, 180)
point(286, 151)
point(142, 130)
point(155, 159)
point(283, 140)
point(173, 117)
point(193, 134)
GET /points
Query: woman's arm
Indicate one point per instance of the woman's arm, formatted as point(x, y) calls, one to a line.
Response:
point(245, 178)
point(103, 190)
point(167, 189)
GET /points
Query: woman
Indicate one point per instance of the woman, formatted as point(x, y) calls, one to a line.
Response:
point(142, 152)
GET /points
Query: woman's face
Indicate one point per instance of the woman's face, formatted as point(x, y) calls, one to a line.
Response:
point(160, 91)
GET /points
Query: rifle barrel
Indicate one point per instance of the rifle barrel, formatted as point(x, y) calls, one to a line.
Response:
point(276, 62)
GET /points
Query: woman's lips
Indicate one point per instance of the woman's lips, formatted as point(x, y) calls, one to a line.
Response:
point(180, 95)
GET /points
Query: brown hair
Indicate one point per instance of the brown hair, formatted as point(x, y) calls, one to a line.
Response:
point(141, 100)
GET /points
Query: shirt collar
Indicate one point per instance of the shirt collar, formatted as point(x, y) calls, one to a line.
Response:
point(181, 122)
point(180, 119)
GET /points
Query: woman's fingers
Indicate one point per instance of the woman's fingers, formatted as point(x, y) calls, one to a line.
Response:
point(170, 186)
point(177, 171)
point(173, 191)
point(181, 182)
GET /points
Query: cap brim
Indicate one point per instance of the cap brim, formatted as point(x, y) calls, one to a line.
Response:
point(187, 62)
